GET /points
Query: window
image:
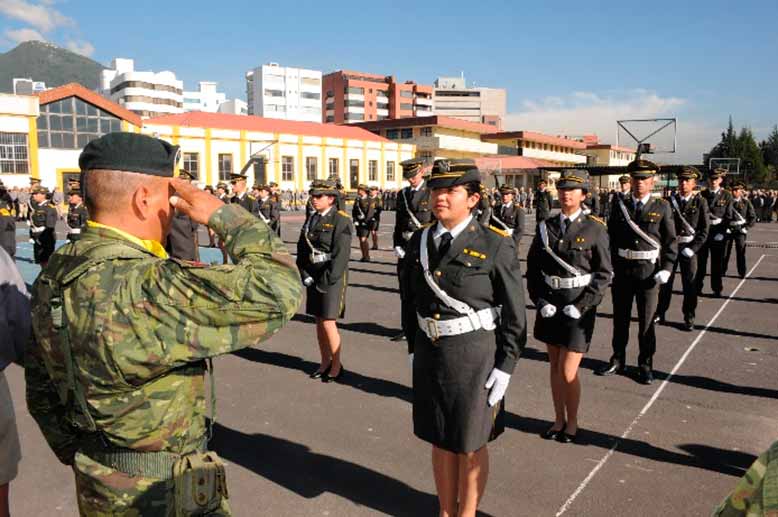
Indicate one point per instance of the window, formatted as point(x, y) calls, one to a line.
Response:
point(358, 104)
point(309, 95)
point(425, 155)
point(389, 171)
point(372, 170)
point(334, 167)
point(72, 123)
point(406, 133)
point(355, 116)
point(406, 107)
point(406, 93)
point(311, 165)
point(382, 105)
point(392, 134)
point(225, 166)
point(13, 153)
point(192, 164)
point(354, 173)
point(274, 93)
point(310, 81)
point(330, 118)
point(425, 131)
point(287, 168)
point(356, 91)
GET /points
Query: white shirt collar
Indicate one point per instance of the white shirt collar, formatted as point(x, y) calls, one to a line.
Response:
point(263, 199)
point(418, 187)
point(507, 205)
point(455, 231)
point(322, 214)
point(715, 190)
point(686, 198)
point(572, 218)
point(645, 199)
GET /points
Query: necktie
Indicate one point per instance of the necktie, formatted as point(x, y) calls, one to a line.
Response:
point(563, 225)
point(445, 243)
point(314, 220)
point(638, 209)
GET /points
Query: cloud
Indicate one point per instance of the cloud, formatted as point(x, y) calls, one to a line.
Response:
point(80, 47)
point(41, 16)
point(580, 113)
point(20, 35)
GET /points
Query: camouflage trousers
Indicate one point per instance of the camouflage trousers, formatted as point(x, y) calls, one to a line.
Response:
point(104, 492)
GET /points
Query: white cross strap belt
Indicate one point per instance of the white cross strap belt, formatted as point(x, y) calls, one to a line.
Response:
point(484, 319)
point(37, 229)
point(72, 231)
point(407, 235)
point(715, 220)
point(505, 227)
point(689, 229)
point(639, 231)
point(685, 239)
point(556, 282)
point(651, 255)
point(544, 238)
point(412, 217)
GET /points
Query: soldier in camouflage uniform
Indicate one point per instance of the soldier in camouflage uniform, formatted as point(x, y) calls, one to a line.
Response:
point(115, 372)
point(756, 494)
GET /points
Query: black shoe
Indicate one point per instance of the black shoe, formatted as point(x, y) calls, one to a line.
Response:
point(320, 373)
point(688, 323)
point(327, 378)
point(374, 248)
point(645, 375)
point(717, 294)
point(398, 337)
point(551, 434)
point(564, 437)
point(613, 368)
point(659, 319)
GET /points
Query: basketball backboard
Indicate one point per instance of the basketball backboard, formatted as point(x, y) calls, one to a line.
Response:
point(732, 165)
point(649, 136)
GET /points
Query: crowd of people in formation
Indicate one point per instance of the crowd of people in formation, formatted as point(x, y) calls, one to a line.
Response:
point(463, 310)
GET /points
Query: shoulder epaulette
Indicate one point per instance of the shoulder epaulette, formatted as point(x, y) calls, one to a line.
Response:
point(427, 225)
point(498, 231)
point(343, 213)
point(252, 198)
point(598, 220)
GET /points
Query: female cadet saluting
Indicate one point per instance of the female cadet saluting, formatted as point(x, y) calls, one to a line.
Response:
point(568, 271)
point(322, 256)
point(466, 328)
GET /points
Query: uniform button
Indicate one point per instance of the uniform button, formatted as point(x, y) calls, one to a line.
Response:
point(436, 316)
point(438, 273)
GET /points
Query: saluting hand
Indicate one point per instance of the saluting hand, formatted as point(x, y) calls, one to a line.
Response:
point(198, 204)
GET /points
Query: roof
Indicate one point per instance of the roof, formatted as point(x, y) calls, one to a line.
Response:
point(612, 170)
point(511, 162)
point(85, 94)
point(532, 136)
point(434, 120)
point(266, 125)
point(611, 147)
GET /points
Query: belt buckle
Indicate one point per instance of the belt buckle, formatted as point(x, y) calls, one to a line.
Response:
point(432, 330)
point(556, 282)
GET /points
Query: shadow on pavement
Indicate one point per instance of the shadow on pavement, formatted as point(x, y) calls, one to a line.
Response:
point(308, 474)
point(367, 327)
point(375, 288)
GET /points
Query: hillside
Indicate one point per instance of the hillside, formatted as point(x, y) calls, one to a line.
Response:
point(48, 63)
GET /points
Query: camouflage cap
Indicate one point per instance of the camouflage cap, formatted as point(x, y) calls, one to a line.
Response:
point(411, 167)
point(325, 187)
point(689, 172)
point(130, 152)
point(449, 173)
point(573, 179)
point(642, 168)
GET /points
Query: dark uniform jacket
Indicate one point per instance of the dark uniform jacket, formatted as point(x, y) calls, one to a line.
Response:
point(418, 205)
point(584, 246)
point(696, 214)
point(247, 201)
point(746, 210)
point(657, 222)
point(44, 216)
point(542, 204)
point(592, 203)
point(271, 211)
point(365, 210)
point(182, 239)
point(481, 269)
point(511, 216)
point(331, 234)
point(7, 224)
point(77, 218)
point(720, 207)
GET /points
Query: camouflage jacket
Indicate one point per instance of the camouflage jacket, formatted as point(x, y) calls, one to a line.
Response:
point(756, 494)
point(140, 326)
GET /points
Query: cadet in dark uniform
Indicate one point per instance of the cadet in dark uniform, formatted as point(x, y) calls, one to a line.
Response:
point(743, 218)
point(643, 249)
point(692, 221)
point(240, 193)
point(376, 221)
point(322, 257)
point(591, 204)
point(363, 213)
point(542, 202)
point(568, 272)
point(43, 222)
point(268, 209)
point(77, 214)
point(464, 317)
point(412, 213)
point(483, 212)
point(509, 216)
point(720, 207)
point(223, 192)
point(182, 240)
point(7, 222)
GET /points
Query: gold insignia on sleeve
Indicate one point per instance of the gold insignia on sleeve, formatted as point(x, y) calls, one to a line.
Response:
point(597, 219)
point(498, 231)
point(474, 253)
point(341, 212)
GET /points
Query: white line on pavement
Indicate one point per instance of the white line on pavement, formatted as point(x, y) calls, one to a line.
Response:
point(653, 399)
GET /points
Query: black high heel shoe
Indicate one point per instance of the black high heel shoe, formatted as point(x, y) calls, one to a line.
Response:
point(328, 378)
point(551, 434)
point(564, 437)
point(320, 373)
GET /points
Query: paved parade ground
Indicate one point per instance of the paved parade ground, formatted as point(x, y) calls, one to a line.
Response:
point(297, 447)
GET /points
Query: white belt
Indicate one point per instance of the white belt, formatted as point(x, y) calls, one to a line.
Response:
point(639, 255)
point(37, 230)
point(737, 223)
point(74, 231)
point(573, 282)
point(685, 239)
point(483, 319)
point(318, 258)
point(715, 221)
point(407, 235)
point(509, 231)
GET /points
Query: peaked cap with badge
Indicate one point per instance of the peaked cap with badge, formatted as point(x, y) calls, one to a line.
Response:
point(642, 169)
point(411, 167)
point(689, 172)
point(573, 179)
point(326, 187)
point(450, 173)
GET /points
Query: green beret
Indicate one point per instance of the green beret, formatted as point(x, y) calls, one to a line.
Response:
point(689, 172)
point(326, 187)
point(573, 179)
point(718, 172)
point(411, 167)
point(624, 179)
point(642, 169)
point(130, 152)
point(449, 173)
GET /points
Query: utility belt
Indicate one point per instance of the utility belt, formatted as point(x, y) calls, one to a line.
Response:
point(685, 239)
point(651, 255)
point(556, 282)
point(715, 220)
point(484, 319)
point(737, 223)
point(74, 231)
point(37, 229)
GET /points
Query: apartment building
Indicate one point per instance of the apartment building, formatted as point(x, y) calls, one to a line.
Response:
point(148, 94)
point(206, 98)
point(25, 86)
point(607, 155)
point(353, 97)
point(287, 93)
point(453, 98)
point(558, 150)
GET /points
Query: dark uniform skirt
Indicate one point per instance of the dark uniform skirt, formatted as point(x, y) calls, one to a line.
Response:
point(363, 230)
point(563, 331)
point(330, 305)
point(450, 407)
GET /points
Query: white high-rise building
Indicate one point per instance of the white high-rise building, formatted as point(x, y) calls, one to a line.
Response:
point(24, 86)
point(452, 97)
point(148, 94)
point(205, 99)
point(234, 107)
point(288, 93)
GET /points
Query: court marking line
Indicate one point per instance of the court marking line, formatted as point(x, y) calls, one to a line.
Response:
point(654, 397)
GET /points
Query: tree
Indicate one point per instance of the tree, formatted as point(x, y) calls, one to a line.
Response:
point(750, 154)
point(770, 148)
point(753, 156)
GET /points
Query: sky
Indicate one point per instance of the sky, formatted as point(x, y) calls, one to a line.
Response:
point(569, 67)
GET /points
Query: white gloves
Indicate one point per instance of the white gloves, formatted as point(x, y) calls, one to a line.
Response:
point(743, 231)
point(498, 383)
point(715, 221)
point(572, 311)
point(718, 237)
point(399, 252)
point(687, 252)
point(662, 277)
point(547, 311)
point(307, 281)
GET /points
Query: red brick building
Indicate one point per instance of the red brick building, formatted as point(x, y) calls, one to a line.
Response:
point(360, 97)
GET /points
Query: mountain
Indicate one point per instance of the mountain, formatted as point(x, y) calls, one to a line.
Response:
point(48, 63)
